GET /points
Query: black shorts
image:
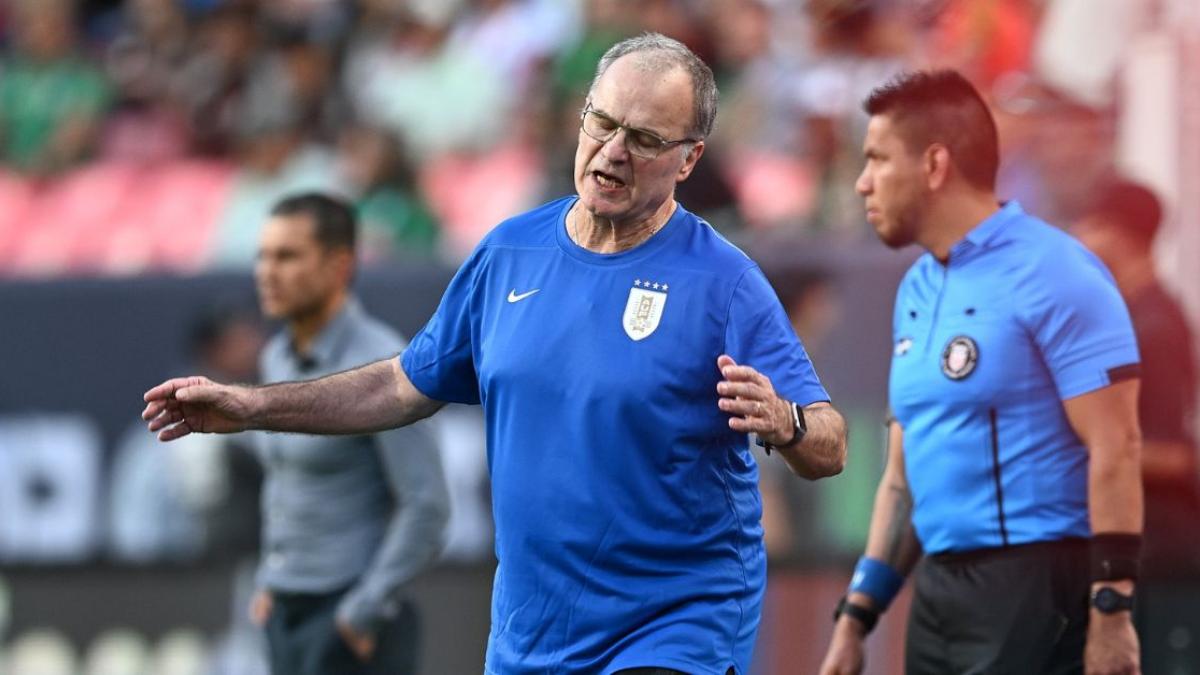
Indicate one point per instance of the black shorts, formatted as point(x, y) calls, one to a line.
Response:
point(1020, 609)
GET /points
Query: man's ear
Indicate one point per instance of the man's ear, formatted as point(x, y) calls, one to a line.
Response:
point(689, 161)
point(937, 166)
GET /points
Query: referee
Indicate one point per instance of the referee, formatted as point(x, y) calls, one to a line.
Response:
point(1013, 455)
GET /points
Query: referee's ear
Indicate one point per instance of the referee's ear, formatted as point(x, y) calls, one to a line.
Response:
point(937, 166)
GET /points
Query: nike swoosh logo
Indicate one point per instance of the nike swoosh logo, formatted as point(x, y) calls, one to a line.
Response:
point(513, 297)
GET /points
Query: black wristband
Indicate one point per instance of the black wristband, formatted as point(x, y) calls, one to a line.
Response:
point(866, 616)
point(1115, 555)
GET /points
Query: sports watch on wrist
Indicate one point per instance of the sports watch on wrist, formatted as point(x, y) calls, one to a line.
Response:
point(1108, 600)
point(799, 427)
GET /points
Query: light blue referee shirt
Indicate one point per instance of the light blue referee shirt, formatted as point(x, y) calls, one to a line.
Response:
point(986, 348)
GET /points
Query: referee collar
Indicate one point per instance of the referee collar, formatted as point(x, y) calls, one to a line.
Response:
point(983, 233)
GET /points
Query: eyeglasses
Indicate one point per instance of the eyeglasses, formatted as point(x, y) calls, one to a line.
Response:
point(639, 142)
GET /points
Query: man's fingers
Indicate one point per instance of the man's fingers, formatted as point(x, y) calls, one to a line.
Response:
point(167, 418)
point(741, 390)
point(166, 389)
point(199, 393)
point(172, 387)
point(740, 374)
point(152, 410)
point(156, 408)
point(751, 425)
point(742, 406)
point(171, 433)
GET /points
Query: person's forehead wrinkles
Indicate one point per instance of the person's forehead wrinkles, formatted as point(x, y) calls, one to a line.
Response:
point(633, 127)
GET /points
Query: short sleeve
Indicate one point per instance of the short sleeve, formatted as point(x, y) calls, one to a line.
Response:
point(1081, 325)
point(440, 360)
point(759, 335)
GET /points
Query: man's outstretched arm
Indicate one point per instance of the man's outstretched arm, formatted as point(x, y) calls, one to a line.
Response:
point(374, 397)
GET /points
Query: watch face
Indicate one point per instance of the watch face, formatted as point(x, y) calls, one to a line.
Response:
point(1108, 600)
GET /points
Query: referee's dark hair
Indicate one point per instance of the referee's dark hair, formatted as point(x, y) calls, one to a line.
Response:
point(334, 222)
point(941, 106)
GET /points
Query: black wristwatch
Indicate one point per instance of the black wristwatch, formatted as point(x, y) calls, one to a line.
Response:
point(799, 428)
point(1108, 600)
point(866, 616)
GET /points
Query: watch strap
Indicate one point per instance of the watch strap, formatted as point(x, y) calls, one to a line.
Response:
point(799, 427)
point(1108, 600)
point(864, 615)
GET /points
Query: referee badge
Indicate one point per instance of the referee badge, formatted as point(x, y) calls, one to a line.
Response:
point(644, 308)
point(959, 357)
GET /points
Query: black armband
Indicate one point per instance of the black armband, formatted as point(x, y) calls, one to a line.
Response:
point(1115, 555)
point(866, 616)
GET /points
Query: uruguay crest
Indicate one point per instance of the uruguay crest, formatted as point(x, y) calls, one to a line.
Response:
point(644, 308)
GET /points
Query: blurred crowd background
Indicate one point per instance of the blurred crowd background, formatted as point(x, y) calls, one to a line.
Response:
point(142, 143)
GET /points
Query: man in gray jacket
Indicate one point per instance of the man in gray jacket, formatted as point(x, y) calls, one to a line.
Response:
point(347, 520)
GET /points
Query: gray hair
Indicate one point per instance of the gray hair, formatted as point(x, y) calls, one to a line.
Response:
point(661, 53)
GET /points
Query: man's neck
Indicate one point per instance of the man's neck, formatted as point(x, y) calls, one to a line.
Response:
point(601, 235)
point(305, 328)
point(949, 220)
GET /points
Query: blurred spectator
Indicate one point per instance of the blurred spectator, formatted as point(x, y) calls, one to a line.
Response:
point(984, 39)
point(216, 74)
point(1058, 151)
point(517, 37)
point(150, 47)
point(323, 22)
point(604, 23)
point(757, 142)
point(1120, 226)
point(436, 95)
point(392, 214)
point(855, 47)
point(180, 502)
point(51, 99)
point(296, 75)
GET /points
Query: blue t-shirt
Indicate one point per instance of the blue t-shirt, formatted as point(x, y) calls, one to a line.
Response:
point(986, 349)
point(627, 512)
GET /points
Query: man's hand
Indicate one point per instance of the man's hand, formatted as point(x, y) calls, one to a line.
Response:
point(748, 396)
point(188, 405)
point(845, 654)
point(361, 644)
point(1112, 643)
point(260, 608)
